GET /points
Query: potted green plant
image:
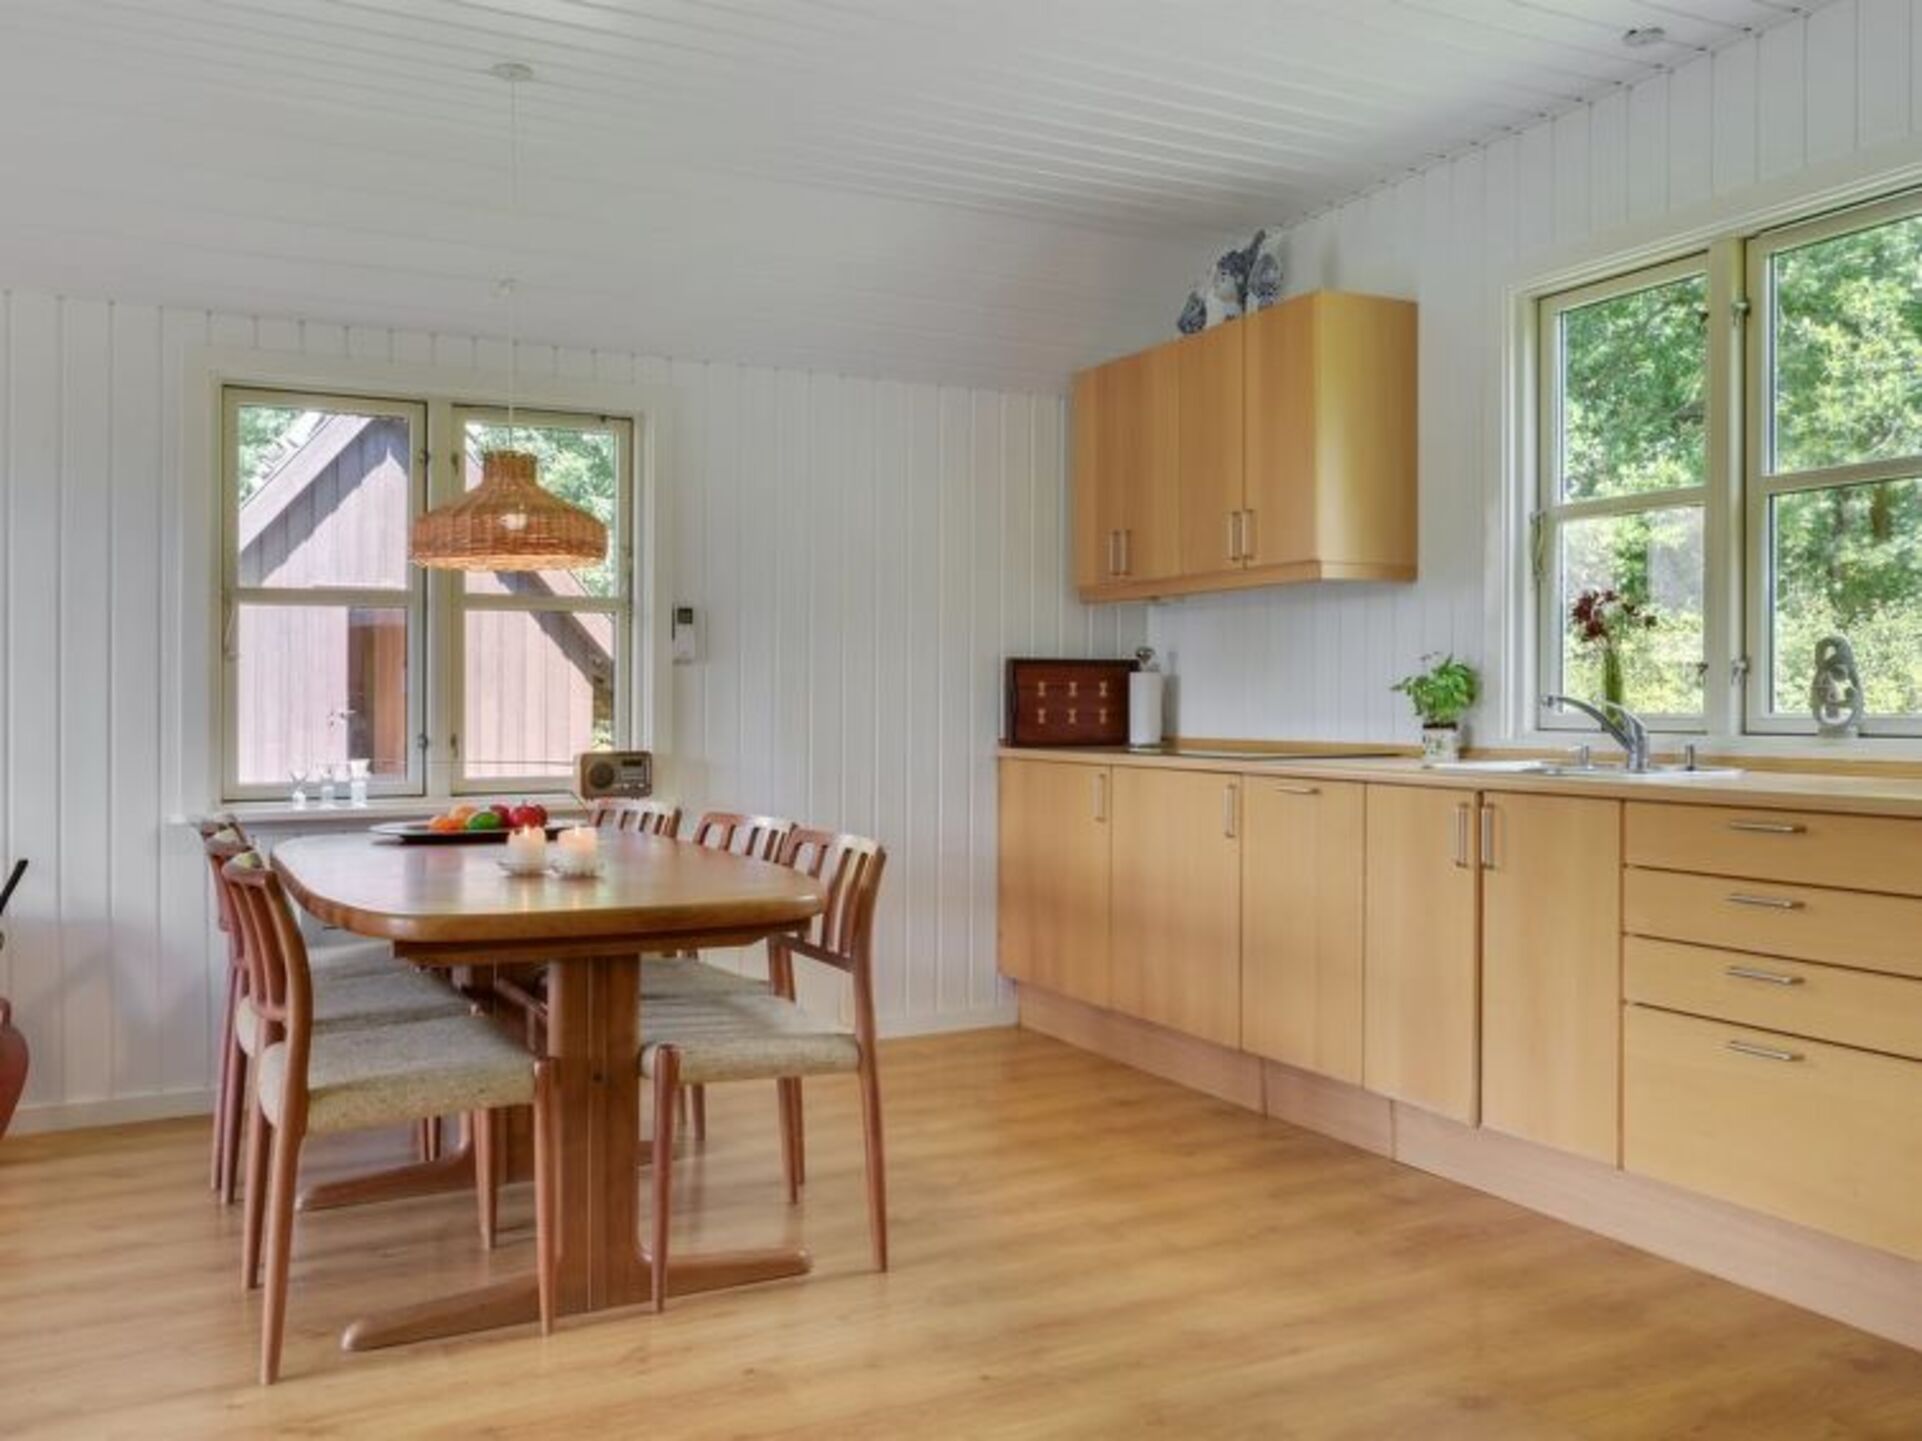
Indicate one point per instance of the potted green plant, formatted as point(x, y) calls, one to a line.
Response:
point(1441, 696)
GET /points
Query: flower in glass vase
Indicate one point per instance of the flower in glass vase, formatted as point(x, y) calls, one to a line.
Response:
point(1603, 620)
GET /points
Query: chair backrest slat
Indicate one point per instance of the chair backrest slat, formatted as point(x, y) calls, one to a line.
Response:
point(758, 838)
point(851, 866)
point(279, 986)
point(644, 814)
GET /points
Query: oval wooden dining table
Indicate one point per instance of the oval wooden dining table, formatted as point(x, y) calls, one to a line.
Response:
point(453, 906)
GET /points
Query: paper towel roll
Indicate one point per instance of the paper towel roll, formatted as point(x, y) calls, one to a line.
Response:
point(1144, 707)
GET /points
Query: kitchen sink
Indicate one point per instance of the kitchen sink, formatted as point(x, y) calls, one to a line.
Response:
point(1654, 775)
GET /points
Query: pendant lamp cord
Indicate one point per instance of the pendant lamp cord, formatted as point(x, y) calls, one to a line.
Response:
point(510, 284)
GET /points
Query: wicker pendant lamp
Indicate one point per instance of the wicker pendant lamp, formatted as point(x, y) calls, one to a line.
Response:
point(508, 522)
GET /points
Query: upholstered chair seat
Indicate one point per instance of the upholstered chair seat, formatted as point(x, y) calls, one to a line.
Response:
point(744, 1037)
point(379, 1075)
point(360, 1000)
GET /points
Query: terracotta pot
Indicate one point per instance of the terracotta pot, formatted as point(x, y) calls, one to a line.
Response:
point(13, 1064)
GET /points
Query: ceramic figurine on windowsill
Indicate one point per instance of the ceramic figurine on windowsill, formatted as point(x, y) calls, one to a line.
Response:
point(1835, 693)
point(1441, 695)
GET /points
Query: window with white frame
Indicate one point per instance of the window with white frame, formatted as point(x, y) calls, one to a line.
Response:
point(341, 656)
point(1729, 470)
point(1619, 535)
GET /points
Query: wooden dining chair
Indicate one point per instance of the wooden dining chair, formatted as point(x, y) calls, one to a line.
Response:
point(313, 1081)
point(758, 838)
point(762, 1035)
point(648, 815)
point(223, 839)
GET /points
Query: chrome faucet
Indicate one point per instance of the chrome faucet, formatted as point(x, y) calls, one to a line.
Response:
point(1618, 723)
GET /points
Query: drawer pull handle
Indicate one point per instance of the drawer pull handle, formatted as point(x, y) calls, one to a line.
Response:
point(1755, 973)
point(1297, 790)
point(1769, 828)
point(1763, 1053)
point(1767, 903)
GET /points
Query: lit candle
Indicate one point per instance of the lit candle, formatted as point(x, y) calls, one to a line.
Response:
point(579, 851)
point(527, 848)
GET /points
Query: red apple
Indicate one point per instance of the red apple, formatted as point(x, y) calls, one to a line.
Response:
point(528, 814)
point(504, 811)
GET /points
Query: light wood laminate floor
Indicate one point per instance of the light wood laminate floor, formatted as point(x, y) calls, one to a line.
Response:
point(1082, 1250)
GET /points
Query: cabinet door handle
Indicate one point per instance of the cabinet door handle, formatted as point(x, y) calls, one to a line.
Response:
point(1247, 535)
point(1100, 796)
point(1228, 809)
point(1768, 828)
point(1767, 903)
point(1234, 535)
point(1127, 551)
point(1763, 1053)
point(1756, 973)
point(1488, 838)
point(1461, 837)
point(1288, 790)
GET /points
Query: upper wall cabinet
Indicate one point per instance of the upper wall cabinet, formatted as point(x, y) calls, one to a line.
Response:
point(1272, 449)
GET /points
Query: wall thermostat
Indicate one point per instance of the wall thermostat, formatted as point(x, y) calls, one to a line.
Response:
point(686, 634)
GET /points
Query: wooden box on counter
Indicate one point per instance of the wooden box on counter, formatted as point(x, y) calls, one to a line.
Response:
point(1066, 702)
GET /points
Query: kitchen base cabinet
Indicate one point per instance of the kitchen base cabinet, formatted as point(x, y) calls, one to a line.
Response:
point(1054, 876)
point(1818, 1134)
point(1176, 911)
point(1551, 970)
point(1421, 1001)
point(1301, 925)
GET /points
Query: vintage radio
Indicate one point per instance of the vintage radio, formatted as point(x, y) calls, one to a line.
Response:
point(1067, 702)
point(602, 774)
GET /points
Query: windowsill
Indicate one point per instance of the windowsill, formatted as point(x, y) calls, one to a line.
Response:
point(378, 808)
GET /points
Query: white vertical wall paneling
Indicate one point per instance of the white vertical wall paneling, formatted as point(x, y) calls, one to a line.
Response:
point(133, 764)
point(862, 554)
point(1735, 129)
point(1830, 84)
point(1883, 48)
point(1781, 95)
point(1691, 134)
point(1315, 663)
point(33, 685)
point(83, 597)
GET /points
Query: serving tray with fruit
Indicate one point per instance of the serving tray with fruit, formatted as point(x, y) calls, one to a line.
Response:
point(470, 825)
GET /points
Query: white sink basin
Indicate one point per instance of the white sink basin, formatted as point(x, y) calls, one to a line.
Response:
point(1654, 775)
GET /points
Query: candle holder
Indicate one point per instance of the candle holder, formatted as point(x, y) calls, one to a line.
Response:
point(526, 852)
point(576, 855)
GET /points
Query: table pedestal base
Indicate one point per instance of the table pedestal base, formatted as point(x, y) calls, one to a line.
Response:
point(516, 1302)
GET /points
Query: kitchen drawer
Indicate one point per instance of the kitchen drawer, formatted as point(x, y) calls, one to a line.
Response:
point(1860, 853)
point(1850, 1008)
point(1843, 928)
point(1817, 1134)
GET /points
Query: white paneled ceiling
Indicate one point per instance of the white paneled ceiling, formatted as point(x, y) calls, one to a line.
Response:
point(981, 188)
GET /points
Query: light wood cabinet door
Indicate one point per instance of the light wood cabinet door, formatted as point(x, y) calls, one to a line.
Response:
point(1176, 913)
point(1301, 925)
point(1822, 1135)
point(1054, 877)
point(1551, 971)
point(1137, 487)
point(1209, 378)
point(1421, 1003)
point(1331, 458)
point(1279, 465)
point(1093, 552)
